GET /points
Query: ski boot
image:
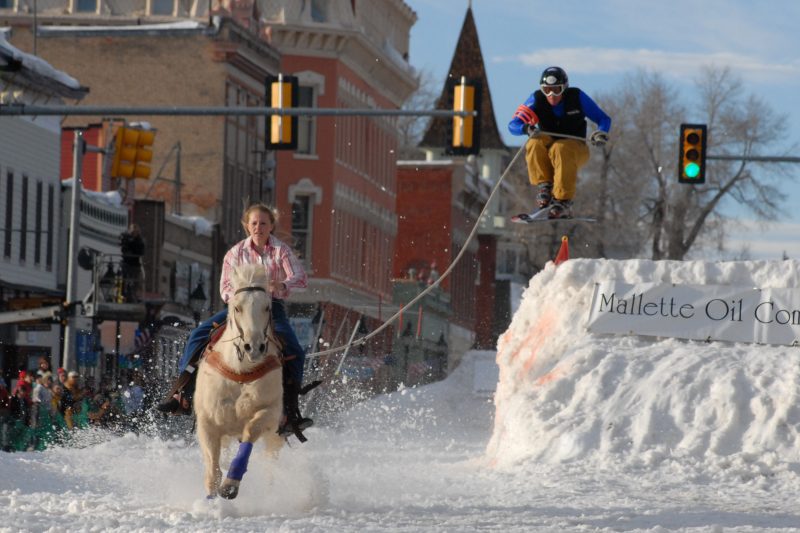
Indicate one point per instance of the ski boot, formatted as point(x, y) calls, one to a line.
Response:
point(544, 195)
point(560, 209)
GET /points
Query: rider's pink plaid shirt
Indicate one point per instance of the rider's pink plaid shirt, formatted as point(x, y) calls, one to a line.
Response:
point(277, 258)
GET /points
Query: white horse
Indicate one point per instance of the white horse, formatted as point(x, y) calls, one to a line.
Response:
point(239, 383)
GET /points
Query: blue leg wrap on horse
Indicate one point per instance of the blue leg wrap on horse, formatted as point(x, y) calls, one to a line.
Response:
point(239, 463)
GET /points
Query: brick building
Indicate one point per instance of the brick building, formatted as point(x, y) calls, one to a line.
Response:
point(210, 62)
point(30, 202)
point(340, 185)
point(481, 308)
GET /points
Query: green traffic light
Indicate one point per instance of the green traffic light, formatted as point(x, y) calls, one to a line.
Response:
point(691, 170)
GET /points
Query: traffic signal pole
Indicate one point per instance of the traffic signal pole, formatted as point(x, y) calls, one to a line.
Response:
point(692, 155)
point(762, 158)
point(67, 110)
point(80, 147)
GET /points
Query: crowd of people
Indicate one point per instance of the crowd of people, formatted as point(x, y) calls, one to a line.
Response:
point(43, 407)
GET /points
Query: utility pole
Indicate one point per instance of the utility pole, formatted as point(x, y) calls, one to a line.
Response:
point(78, 149)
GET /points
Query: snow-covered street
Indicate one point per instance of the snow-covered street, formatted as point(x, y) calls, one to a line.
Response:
point(630, 434)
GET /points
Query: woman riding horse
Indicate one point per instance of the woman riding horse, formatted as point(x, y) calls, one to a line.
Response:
point(286, 273)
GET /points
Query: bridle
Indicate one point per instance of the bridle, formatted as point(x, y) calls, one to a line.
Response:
point(269, 330)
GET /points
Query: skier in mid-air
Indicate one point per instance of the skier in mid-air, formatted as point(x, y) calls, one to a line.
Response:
point(553, 160)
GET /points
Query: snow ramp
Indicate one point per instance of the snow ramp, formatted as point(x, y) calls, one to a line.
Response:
point(565, 394)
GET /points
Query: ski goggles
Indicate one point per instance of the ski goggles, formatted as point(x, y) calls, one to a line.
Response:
point(553, 90)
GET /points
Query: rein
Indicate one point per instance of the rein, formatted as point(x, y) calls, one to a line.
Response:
point(268, 331)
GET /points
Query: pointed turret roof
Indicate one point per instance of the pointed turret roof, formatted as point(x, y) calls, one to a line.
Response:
point(467, 61)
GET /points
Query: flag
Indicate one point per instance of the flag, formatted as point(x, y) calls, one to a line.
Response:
point(141, 339)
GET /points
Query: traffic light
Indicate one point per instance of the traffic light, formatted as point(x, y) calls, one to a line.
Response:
point(692, 155)
point(466, 132)
point(282, 93)
point(133, 152)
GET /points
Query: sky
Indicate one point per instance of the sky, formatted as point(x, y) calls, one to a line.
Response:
point(559, 430)
point(598, 43)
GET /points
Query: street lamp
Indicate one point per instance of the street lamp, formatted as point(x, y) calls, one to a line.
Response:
point(108, 284)
point(108, 287)
point(197, 301)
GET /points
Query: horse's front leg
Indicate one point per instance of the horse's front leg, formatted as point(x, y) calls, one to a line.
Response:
point(261, 421)
point(210, 443)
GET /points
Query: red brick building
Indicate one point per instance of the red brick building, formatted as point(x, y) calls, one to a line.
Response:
point(460, 188)
point(340, 185)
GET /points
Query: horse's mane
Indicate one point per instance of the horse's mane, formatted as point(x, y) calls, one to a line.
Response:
point(250, 275)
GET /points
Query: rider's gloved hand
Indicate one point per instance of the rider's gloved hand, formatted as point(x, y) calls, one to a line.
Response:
point(599, 138)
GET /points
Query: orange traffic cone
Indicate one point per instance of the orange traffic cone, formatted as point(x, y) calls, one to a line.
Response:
point(563, 252)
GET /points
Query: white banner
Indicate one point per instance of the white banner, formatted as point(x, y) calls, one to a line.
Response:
point(700, 312)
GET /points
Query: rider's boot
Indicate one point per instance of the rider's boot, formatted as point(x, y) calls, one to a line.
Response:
point(292, 423)
point(179, 400)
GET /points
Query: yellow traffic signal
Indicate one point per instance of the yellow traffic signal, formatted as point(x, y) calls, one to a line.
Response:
point(466, 130)
point(692, 155)
point(133, 152)
point(282, 93)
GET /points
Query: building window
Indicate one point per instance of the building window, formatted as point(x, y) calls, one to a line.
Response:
point(161, 7)
point(37, 235)
point(306, 125)
point(23, 226)
point(9, 214)
point(50, 229)
point(319, 10)
point(6, 4)
point(301, 228)
point(86, 6)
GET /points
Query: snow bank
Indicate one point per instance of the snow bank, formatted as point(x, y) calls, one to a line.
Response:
point(457, 408)
point(565, 394)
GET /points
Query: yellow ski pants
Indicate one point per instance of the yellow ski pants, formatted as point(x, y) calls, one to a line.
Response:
point(556, 161)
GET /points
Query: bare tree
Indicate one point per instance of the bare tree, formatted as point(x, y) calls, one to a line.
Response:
point(411, 129)
point(642, 159)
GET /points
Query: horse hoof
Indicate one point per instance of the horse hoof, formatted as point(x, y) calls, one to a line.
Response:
point(229, 489)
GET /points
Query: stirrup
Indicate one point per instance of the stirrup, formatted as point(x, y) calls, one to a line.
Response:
point(174, 406)
point(290, 428)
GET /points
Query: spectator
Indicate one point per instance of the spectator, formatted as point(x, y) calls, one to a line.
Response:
point(5, 417)
point(70, 401)
point(102, 412)
point(62, 377)
point(132, 247)
point(133, 397)
point(88, 387)
point(434, 275)
point(58, 392)
point(20, 404)
point(24, 384)
point(42, 400)
point(44, 365)
point(42, 412)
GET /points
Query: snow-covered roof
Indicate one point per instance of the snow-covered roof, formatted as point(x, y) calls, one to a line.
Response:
point(200, 225)
point(126, 28)
point(110, 198)
point(34, 71)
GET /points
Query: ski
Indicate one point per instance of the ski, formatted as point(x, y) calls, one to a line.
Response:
point(541, 216)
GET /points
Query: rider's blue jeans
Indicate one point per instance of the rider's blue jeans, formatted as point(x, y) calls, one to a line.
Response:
point(198, 339)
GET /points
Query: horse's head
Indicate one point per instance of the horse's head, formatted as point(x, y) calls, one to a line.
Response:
point(250, 313)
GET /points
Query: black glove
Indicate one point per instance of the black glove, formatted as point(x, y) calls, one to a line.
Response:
point(599, 138)
point(532, 130)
